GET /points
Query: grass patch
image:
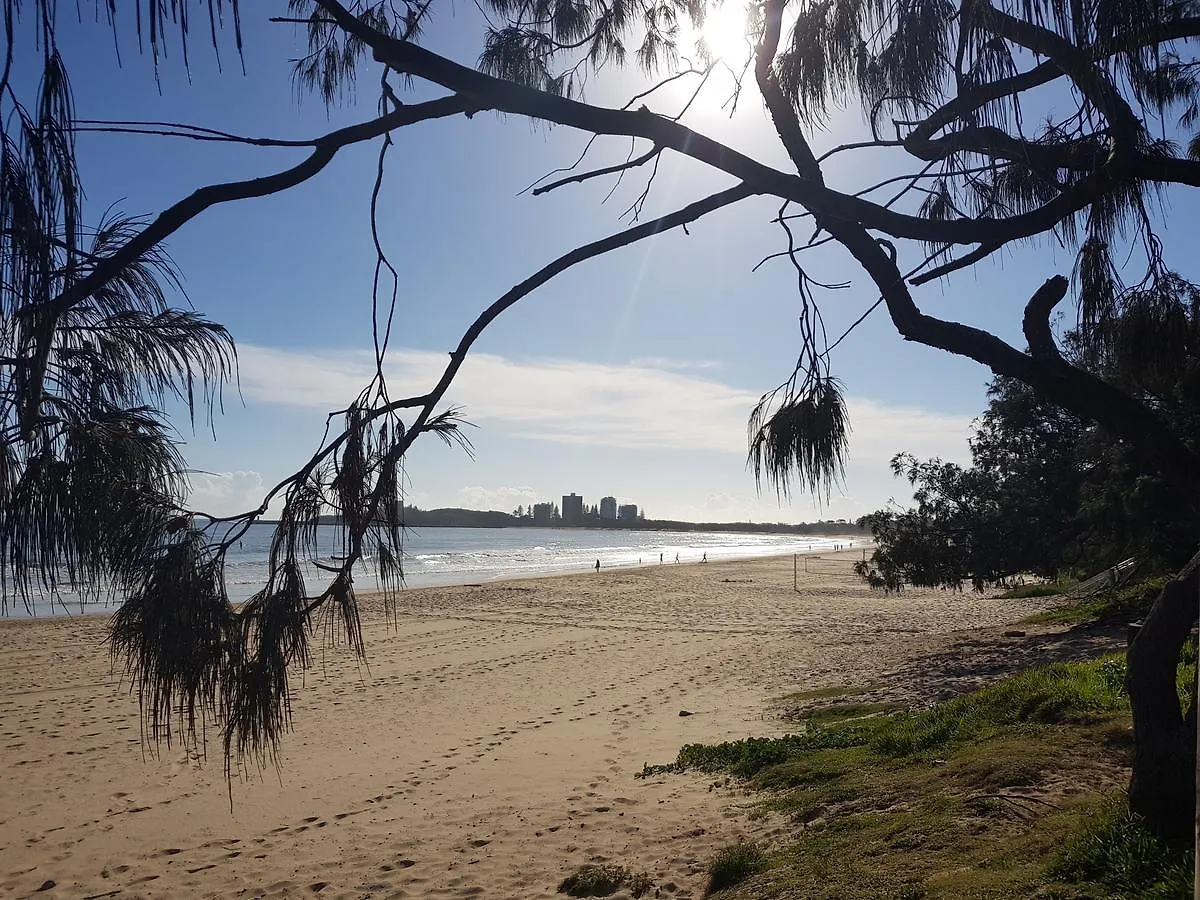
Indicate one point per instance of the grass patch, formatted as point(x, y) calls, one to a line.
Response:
point(840, 712)
point(826, 693)
point(1047, 695)
point(1109, 606)
point(1039, 589)
point(601, 881)
point(1116, 851)
point(733, 865)
point(1005, 792)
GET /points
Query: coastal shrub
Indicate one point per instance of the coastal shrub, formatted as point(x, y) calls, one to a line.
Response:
point(600, 881)
point(639, 883)
point(1185, 674)
point(1118, 851)
point(733, 865)
point(749, 756)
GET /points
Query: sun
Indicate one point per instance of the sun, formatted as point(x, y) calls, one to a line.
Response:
point(724, 32)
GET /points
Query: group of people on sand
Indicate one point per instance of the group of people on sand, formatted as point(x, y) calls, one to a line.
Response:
point(703, 559)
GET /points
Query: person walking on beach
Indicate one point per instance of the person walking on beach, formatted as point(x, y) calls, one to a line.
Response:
point(597, 565)
point(676, 559)
point(660, 559)
point(704, 558)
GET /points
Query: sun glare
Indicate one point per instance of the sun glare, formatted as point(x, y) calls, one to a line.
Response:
point(724, 32)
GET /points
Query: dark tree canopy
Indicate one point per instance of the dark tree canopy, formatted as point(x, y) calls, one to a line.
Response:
point(1033, 122)
point(1046, 493)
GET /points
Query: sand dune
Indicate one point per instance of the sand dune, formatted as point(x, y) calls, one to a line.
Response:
point(488, 749)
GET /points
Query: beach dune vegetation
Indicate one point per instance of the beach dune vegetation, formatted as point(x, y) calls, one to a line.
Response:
point(1012, 790)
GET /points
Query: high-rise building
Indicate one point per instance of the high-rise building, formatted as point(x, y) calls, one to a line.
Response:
point(572, 509)
point(627, 512)
point(608, 508)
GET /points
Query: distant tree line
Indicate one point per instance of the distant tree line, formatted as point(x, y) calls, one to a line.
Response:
point(474, 518)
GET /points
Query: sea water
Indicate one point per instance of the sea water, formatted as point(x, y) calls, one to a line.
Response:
point(446, 556)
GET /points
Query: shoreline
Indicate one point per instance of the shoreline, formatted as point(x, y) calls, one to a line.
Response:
point(65, 611)
point(487, 748)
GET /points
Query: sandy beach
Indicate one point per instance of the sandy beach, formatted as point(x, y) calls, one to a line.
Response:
point(488, 748)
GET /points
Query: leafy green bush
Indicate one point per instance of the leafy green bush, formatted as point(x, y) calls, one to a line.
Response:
point(1119, 604)
point(747, 757)
point(1113, 671)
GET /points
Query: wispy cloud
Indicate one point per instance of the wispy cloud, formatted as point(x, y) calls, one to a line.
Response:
point(225, 493)
point(638, 405)
point(676, 365)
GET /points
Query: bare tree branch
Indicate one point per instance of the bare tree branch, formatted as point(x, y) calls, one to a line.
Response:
point(597, 173)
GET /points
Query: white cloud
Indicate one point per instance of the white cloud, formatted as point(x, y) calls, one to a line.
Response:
point(628, 406)
point(225, 493)
point(881, 430)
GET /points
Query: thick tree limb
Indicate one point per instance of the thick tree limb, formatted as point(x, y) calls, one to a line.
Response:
point(1036, 323)
point(1071, 388)
point(995, 143)
point(176, 216)
point(1091, 80)
point(787, 123)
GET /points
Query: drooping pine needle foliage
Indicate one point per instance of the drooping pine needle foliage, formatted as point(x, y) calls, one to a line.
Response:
point(91, 483)
point(92, 487)
point(801, 435)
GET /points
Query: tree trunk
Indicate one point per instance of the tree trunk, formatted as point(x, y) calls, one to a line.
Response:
point(1163, 786)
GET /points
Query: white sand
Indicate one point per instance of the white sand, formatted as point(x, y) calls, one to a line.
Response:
point(488, 750)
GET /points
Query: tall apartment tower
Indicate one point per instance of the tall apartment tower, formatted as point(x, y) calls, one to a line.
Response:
point(572, 509)
point(608, 509)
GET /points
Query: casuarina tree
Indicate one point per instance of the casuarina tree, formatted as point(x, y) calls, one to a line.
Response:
point(1009, 123)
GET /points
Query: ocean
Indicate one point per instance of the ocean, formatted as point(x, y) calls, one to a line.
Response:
point(446, 556)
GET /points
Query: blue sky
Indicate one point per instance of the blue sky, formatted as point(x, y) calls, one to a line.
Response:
point(631, 375)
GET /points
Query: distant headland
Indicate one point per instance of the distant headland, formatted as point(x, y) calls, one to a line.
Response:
point(455, 517)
